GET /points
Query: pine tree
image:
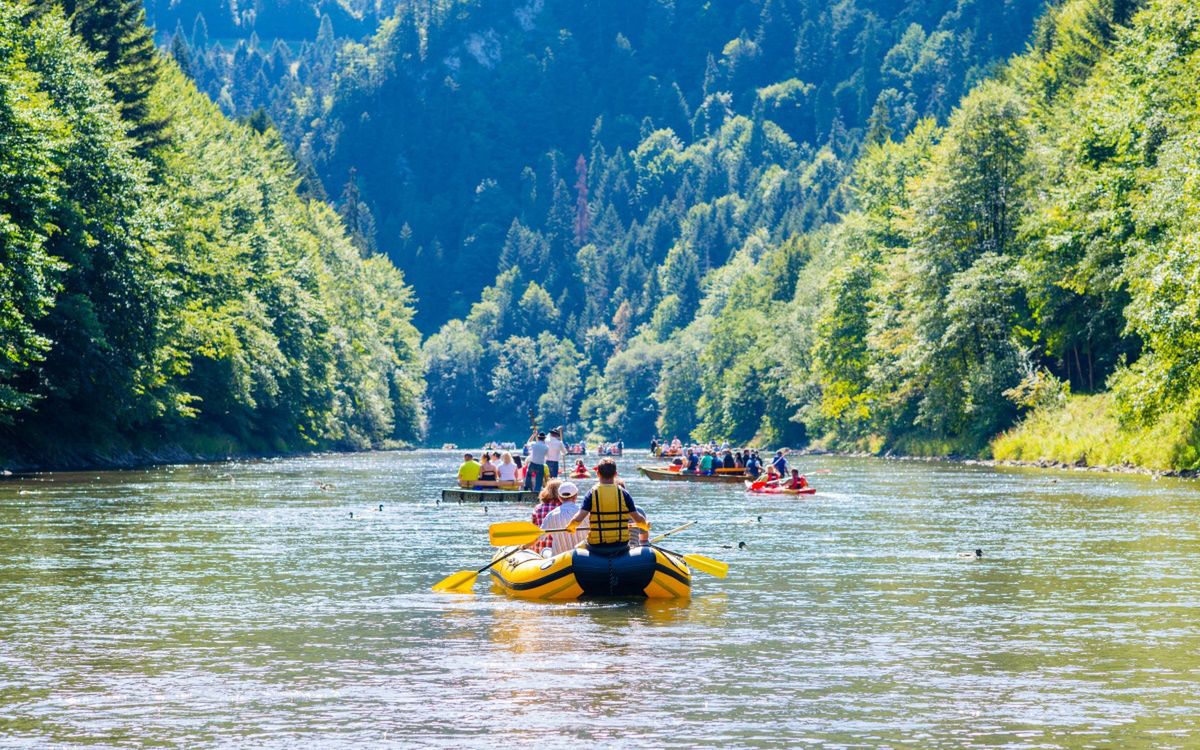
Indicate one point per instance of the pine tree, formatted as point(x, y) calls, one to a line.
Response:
point(117, 30)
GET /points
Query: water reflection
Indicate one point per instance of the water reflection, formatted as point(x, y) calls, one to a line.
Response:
point(240, 603)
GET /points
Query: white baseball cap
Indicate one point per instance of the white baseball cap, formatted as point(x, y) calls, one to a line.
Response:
point(567, 489)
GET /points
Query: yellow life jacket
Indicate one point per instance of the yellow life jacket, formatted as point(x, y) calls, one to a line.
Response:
point(609, 516)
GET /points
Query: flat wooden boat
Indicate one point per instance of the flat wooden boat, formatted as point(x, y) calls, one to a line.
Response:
point(461, 495)
point(656, 473)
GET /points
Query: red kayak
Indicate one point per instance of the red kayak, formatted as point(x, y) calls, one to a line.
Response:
point(778, 490)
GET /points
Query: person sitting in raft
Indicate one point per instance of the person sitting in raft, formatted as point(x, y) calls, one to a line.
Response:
point(675, 444)
point(729, 461)
point(609, 508)
point(548, 500)
point(706, 463)
point(797, 482)
point(468, 473)
point(580, 471)
point(506, 472)
point(556, 544)
point(693, 462)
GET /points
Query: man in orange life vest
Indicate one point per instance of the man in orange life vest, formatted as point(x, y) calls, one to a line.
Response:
point(610, 509)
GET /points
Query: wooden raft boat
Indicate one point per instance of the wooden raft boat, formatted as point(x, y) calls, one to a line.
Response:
point(656, 473)
point(460, 495)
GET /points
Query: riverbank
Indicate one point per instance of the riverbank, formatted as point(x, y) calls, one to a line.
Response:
point(1081, 433)
point(65, 458)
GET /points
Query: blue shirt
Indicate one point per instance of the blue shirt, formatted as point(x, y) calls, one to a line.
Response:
point(538, 451)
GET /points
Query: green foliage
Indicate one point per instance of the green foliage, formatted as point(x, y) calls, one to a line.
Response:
point(184, 296)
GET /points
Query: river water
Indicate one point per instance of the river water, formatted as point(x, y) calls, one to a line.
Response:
point(241, 604)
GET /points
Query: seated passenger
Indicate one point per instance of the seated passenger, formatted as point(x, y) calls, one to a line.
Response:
point(580, 471)
point(706, 463)
point(558, 518)
point(548, 500)
point(729, 462)
point(693, 462)
point(610, 508)
point(506, 472)
point(487, 469)
point(797, 482)
point(468, 473)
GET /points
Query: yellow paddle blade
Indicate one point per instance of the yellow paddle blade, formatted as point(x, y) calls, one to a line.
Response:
point(707, 565)
point(513, 532)
point(459, 583)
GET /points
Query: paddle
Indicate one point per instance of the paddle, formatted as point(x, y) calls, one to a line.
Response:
point(517, 532)
point(524, 532)
point(666, 534)
point(700, 562)
point(464, 580)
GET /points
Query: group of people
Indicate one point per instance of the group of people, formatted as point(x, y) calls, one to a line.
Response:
point(603, 519)
point(494, 470)
point(503, 470)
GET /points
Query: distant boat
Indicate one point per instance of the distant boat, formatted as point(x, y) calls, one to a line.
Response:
point(449, 446)
point(657, 474)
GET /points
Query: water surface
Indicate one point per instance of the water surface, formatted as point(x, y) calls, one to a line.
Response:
point(241, 604)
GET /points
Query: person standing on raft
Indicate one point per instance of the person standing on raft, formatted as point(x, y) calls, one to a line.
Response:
point(609, 509)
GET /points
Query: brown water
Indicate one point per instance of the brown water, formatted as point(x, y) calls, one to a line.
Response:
point(240, 605)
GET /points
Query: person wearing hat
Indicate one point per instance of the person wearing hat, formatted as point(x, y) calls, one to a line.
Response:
point(568, 493)
point(555, 450)
point(534, 471)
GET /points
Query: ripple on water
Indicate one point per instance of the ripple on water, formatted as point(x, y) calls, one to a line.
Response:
point(240, 603)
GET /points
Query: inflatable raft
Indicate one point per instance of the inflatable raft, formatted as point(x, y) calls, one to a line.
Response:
point(579, 573)
point(778, 490)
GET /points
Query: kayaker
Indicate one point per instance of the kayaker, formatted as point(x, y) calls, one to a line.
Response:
point(537, 462)
point(468, 473)
point(548, 500)
point(558, 518)
point(555, 450)
point(580, 471)
point(609, 508)
point(506, 471)
point(797, 482)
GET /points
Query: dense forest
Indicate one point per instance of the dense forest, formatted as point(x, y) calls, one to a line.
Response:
point(163, 286)
point(861, 224)
point(557, 177)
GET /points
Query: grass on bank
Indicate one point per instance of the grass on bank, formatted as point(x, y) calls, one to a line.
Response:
point(1084, 430)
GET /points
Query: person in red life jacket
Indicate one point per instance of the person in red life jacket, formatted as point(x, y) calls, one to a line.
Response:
point(609, 508)
point(797, 482)
point(580, 471)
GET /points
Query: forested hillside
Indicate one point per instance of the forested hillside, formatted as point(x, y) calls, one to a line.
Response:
point(1040, 244)
point(560, 175)
point(161, 282)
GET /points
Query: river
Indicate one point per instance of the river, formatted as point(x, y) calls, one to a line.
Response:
point(242, 604)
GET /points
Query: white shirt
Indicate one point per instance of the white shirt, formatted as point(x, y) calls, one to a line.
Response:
point(558, 519)
point(506, 472)
point(555, 449)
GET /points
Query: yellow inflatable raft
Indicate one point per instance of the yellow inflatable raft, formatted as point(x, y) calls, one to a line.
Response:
point(579, 573)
